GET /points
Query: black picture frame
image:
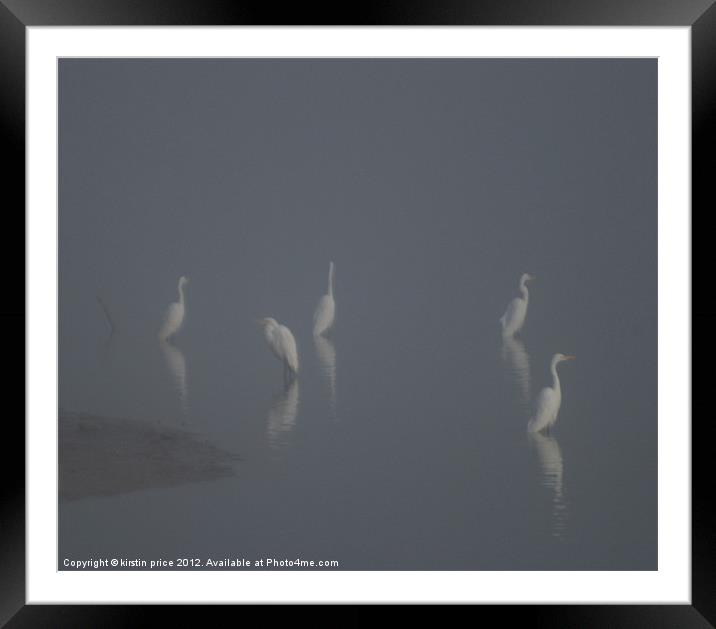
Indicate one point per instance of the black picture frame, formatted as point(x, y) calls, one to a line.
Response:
point(17, 15)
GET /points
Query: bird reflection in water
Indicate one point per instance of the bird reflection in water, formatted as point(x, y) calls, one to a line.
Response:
point(326, 352)
point(552, 472)
point(517, 362)
point(281, 418)
point(176, 363)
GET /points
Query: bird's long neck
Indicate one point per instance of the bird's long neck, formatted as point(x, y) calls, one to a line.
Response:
point(555, 378)
point(181, 293)
point(523, 290)
point(330, 279)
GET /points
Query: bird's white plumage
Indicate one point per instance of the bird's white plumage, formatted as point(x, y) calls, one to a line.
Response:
point(514, 317)
point(549, 399)
point(325, 313)
point(174, 315)
point(173, 319)
point(516, 312)
point(546, 408)
point(290, 349)
point(281, 342)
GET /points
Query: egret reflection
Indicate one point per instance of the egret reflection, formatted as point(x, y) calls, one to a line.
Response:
point(552, 473)
point(326, 352)
point(176, 363)
point(517, 362)
point(281, 418)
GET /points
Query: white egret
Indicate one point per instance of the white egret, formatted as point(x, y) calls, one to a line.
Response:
point(280, 339)
point(514, 317)
point(549, 399)
point(174, 316)
point(326, 309)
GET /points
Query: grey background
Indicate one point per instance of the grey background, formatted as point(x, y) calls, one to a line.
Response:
point(432, 185)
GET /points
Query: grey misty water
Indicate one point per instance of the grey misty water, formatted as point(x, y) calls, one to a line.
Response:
point(402, 444)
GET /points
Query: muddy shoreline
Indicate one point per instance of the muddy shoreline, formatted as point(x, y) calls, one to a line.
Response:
point(103, 456)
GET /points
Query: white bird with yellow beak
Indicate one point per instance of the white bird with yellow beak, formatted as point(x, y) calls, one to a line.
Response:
point(549, 400)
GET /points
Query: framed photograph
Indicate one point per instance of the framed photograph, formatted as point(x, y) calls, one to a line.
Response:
point(387, 309)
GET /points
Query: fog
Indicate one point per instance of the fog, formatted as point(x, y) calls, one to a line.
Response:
point(432, 185)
